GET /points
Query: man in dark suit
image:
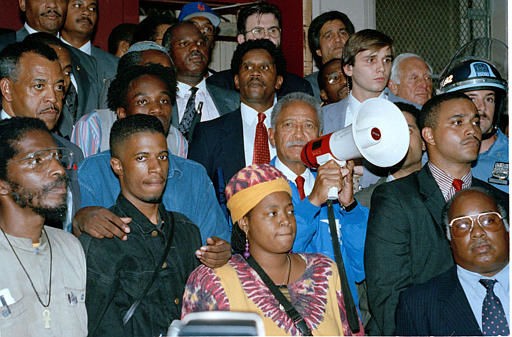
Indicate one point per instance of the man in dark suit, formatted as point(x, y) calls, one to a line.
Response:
point(33, 86)
point(454, 303)
point(78, 31)
point(196, 101)
point(228, 142)
point(405, 242)
point(261, 20)
point(49, 16)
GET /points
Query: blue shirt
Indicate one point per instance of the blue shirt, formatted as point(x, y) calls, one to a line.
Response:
point(188, 191)
point(492, 165)
point(475, 291)
point(313, 234)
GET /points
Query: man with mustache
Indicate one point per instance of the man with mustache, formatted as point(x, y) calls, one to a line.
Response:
point(82, 96)
point(78, 31)
point(196, 101)
point(227, 144)
point(118, 271)
point(295, 121)
point(43, 269)
point(459, 302)
point(405, 241)
point(32, 85)
point(482, 82)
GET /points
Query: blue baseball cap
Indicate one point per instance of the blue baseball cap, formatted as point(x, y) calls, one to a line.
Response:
point(198, 8)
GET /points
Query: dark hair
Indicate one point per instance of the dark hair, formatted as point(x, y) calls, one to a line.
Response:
point(121, 32)
point(45, 38)
point(275, 53)
point(430, 111)
point(146, 29)
point(321, 73)
point(366, 39)
point(166, 41)
point(411, 109)
point(10, 56)
point(130, 125)
point(258, 8)
point(119, 87)
point(316, 26)
point(13, 130)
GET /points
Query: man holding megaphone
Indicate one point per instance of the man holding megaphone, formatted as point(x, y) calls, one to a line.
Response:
point(295, 121)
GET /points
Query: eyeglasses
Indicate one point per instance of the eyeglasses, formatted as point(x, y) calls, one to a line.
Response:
point(488, 221)
point(259, 32)
point(335, 77)
point(40, 160)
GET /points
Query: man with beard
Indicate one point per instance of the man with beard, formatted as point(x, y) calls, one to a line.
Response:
point(78, 31)
point(32, 85)
point(227, 144)
point(196, 100)
point(42, 288)
point(121, 273)
point(405, 241)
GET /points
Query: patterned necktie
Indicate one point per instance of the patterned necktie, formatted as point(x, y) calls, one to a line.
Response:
point(261, 154)
point(299, 181)
point(494, 321)
point(71, 103)
point(457, 184)
point(190, 112)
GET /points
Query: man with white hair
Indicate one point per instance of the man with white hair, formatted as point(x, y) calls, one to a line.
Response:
point(411, 79)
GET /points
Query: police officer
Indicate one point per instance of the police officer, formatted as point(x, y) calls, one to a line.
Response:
point(482, 82)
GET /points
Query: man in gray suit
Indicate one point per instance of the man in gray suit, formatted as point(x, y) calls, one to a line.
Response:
point(78, 31)
point(196, 100)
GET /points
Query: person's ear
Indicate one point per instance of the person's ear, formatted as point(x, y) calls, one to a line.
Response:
point(279, 82)
point(21, 3)
point(428, 135)
point(236, 79)
point(323, 96)
point(271, 137)
point(240, 38)
point(318, 52)
point(121, 113)
point(117, 166)
point(6, 89)
point(347, 69)
point(393, 87)
point(243, 223)
point(5, 187)
point(123, 46)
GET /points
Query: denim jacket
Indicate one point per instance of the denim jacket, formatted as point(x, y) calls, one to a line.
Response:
point(188, 191)
point(118, 272)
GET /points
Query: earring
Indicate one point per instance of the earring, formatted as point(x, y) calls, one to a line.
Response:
point(246, 253)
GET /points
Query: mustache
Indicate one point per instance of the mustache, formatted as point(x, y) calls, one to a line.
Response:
point(471, 138)
point(85, 19)
point(295, 143)
point(62, 181)
point(196, 53)
point(51, 12)
point(52, 107)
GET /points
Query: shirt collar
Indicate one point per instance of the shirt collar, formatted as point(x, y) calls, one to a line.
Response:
point(184, 89)
point(473, 278)
point(139, 220)
point(289, 174)
point(250, 115)
point(444, 180)
point(86, 47)
point(31, 30)
point(4, 115)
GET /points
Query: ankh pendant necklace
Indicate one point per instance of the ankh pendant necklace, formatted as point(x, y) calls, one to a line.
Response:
point(46, 311)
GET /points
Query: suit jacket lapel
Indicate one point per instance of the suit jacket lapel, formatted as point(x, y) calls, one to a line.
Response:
point(431, 194)
point(456, 308)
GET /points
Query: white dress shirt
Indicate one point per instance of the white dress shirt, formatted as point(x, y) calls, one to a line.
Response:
point(86, 48)
point(209, 110)
point(354, 105)
point(249, 122)
point(309, 178)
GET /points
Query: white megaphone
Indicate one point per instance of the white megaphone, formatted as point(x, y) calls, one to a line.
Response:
point(378, 134)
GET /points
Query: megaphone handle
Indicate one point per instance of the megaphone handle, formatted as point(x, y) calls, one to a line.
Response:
point(332, 194)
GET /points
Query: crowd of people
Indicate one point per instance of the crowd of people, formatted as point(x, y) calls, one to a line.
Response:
point(138, 185)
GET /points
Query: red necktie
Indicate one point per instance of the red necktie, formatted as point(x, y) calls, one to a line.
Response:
point(299, 181)
point(261, 154)
point(457, 184)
